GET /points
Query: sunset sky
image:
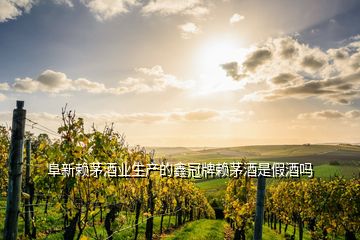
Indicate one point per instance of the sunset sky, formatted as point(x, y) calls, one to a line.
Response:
point(187, 73)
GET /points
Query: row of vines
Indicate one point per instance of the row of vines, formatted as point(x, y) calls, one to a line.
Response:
point(103, 205)
point(325, 209)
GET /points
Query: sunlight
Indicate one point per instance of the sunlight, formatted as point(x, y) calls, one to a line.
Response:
point(213, 53)
point(217, 51)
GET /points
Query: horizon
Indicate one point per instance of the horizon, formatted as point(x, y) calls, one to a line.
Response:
point(254, 145)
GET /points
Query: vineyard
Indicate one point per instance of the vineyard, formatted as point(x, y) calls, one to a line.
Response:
point(324, 209)
point(98, 208)
point(89, 206)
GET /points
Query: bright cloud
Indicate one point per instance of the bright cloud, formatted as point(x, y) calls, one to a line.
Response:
point(4, 86)
point(48, 81)
point(89, 86)
point(106, 9)
point(168, 7)
point(150, 80)
point(197, 115)
point(188, 30)
point(68, 3)
point(10, 9)
point(236, 18)
point(331, 114)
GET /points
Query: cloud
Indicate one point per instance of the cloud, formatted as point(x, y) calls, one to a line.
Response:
point(68, 3)
point(197, 115)
point(4, 86)
point(312, 62)
point(283, 78)
point(355, 61)
point(131, 118)
point(336, 90)
point(55, 82)
point(188, 30)
point(152, 79)
point(236, 18)
point(156, 71)
point(325, 114)
point(288, 47)
point(290, 69)
point(354, 114)
point(201, 115)
point(52, 81)
point(170, 7)
point(232, 70)
point(10, 9)
point(338, 54)
point(48, 81)
point(89, 86)
point(256, 59)
point(330, 114)
point(25, 85)
point(2, 97)
point(141, 85)
point(106, 9)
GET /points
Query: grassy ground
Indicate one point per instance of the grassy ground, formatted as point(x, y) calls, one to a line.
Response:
point(214, 189)
point(203, 229)
point(218, 229)
point(326, 171)
point(271, 234)
point(213, 185)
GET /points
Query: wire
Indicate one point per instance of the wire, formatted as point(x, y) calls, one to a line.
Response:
point(36, 123)
point(43, 130)
point(38, 126)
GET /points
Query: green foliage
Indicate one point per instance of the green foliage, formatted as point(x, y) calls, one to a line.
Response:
point(240, 203)
point(200, 230)
point(4, 148)
point(81, 200)
point(328, 207)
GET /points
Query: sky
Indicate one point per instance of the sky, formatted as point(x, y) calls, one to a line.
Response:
point(190, 73)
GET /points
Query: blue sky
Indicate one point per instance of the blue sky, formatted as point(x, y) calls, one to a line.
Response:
point(190, 73)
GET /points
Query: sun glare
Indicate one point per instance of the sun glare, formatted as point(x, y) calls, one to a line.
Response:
point(209, 58)
point(218, 51)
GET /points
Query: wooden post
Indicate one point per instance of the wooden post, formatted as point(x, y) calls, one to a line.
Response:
point(151, 206)
point(27, 187)
point(260, 198)
point(15, 162)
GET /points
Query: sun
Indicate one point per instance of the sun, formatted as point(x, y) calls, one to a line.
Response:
point(208, 60)
point(217, 51)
